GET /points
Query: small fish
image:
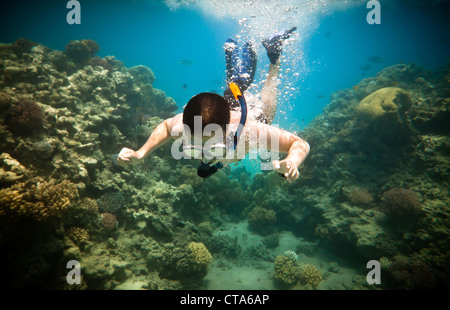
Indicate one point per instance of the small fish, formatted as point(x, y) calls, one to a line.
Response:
point(320, 96)
point(327, 34)
point(366, 67)
point(186, 62)
point(356, 87)
point(184, 86)
point(376, 59)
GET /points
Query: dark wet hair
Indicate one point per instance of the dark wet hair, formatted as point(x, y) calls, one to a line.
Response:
point(213, 109)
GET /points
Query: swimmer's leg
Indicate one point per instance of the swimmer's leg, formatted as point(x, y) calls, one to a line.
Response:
point(248, 69)
point(273, 47)
point(269, 93)
point(231, 59)
point(241, 73)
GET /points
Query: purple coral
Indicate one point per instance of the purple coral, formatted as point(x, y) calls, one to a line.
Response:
point(25, 117)
point(111, 202)
point(108, 222)
point(400, 202)
point(82, 51)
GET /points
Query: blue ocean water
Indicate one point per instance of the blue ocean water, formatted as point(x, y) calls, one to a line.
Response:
point(183, 44)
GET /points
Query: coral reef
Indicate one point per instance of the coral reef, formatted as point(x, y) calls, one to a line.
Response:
point(384, 142)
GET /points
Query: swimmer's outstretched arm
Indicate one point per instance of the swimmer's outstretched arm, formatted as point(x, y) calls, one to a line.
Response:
point(160, 136)
point(279, 140)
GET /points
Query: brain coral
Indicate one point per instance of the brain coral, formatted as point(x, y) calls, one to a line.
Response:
point(384, 101)
point(40, 200)
point(310, 276)
point(25, 117)
point(287, 269)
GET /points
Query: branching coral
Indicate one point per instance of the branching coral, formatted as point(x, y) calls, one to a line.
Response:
point(310, 276)
point(400, 202)
point(287, 269)
point(360, 196)
point(41, 200)
point(259, 218)
point(78, 235)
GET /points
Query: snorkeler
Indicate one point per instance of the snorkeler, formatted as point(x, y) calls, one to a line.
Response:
point(226, 117)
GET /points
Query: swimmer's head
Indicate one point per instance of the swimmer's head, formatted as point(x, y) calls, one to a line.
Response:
point(212, 108)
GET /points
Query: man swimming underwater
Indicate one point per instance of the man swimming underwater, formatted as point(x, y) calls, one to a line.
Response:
point(226, 116)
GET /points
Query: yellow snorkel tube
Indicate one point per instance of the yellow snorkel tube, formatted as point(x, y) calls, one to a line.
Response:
point(238, 96)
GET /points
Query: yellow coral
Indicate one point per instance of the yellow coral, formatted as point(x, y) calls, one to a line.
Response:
point(310, 276)
point(286, 269)
point(199, 255)
point(387, 100)
point(385, 262)
point(40, 200)
point(79, 235)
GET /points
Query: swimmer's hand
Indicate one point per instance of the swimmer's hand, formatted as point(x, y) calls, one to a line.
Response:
point(287, 169)
point(128, 156)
